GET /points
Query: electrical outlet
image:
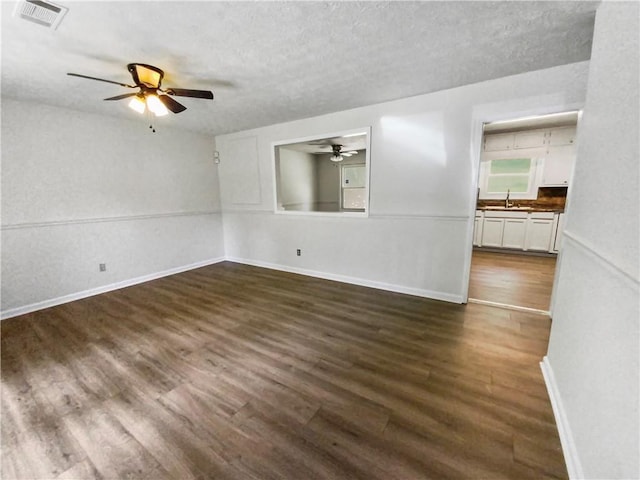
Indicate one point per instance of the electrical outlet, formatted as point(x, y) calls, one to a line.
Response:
point(103, 267)
point(298, 252)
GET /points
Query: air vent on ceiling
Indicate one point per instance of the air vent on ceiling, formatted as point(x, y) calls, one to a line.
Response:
point(42, 13)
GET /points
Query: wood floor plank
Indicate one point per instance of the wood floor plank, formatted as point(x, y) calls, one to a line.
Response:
point(238, 372)
point(110, 447)
point(512, 278)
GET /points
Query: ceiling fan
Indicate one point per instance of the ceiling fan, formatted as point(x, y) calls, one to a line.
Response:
point(338, 154)
point(150, 96)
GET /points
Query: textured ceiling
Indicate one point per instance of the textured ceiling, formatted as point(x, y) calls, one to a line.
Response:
point(270, 62)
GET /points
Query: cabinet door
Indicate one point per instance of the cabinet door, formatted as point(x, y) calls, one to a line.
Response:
point(539, 234)
point(477, 231)
point(558, 165)
point(514, 233)
point(492, 232)
point(529, 139)
point(558, 240)
point(493, 143)
point(562, 136)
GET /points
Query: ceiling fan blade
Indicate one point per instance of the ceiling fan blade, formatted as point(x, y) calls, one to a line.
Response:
point(185, 92)
point(171, 104)
point(120, 97)
point(101, 80)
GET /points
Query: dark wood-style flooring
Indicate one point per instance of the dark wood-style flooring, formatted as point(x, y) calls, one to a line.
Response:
point(237, 372)
point(512, 279)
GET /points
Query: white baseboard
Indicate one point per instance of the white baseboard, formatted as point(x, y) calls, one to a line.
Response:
point(509, 307)
point(571, 458)
point(447, 297)
point(14, 312)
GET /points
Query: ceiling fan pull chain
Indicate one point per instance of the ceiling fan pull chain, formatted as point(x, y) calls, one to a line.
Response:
point(150, 118)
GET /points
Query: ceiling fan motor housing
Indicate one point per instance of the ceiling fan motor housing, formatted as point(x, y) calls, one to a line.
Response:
point(146, 75)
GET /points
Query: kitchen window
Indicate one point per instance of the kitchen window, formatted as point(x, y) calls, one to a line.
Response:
point(512, 175)
point(500, 173)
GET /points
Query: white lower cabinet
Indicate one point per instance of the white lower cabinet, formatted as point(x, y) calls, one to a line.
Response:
point(477, 229)
point(557, 238)
point(492, 232)
point(534, 231)
point(539, 233)
point(514, 233)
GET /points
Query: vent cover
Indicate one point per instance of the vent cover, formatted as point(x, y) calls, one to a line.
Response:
point(42, 13)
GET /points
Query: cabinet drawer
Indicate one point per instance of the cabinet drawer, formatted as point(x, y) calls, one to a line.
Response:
point(542, 215)
point(505, 214)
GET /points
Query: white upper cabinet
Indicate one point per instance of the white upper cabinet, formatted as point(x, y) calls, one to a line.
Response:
point(554, 149)
point(529, 139)
point(558, 165)
point(562, 136)
point(495, 143)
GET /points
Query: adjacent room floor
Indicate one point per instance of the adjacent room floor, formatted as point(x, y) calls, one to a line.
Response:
point(237, 372)
point(512, 278)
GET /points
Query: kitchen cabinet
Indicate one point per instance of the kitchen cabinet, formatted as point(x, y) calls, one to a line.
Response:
point(504, 229)
point(518, 230)
point(477, 228)
point(492, 232)
point(558, 165)
point(495, 143)
point(529, 139)
point(557, 239)
point(513, 235)
point(562, 136)
point(554, 149)
point(539, 231)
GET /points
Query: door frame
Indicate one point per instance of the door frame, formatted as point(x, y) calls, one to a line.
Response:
point(493, 113)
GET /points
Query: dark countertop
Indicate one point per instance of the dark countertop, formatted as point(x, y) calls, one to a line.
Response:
point(522, 209)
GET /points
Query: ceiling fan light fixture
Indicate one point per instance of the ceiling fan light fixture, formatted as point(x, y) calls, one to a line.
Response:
point(147, 74)
point(137, 103)
point(336, 158)
point(156, 106)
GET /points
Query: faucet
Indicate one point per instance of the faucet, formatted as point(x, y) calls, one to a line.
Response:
point(506, 201)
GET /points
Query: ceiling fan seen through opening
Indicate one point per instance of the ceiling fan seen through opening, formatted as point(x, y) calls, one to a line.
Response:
point(338, 154)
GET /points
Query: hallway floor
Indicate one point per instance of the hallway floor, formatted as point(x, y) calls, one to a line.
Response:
point(512, 279)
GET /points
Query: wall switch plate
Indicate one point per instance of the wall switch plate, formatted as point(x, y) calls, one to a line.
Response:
point(103, 267)
point(298, 252)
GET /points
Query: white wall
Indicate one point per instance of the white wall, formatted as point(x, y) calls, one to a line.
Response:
point(328, 177)
point(424, 160)
point(298, 182)
point(81, 189)
point(593, 349)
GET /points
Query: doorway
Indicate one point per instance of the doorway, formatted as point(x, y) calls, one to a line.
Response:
point(525, 170)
